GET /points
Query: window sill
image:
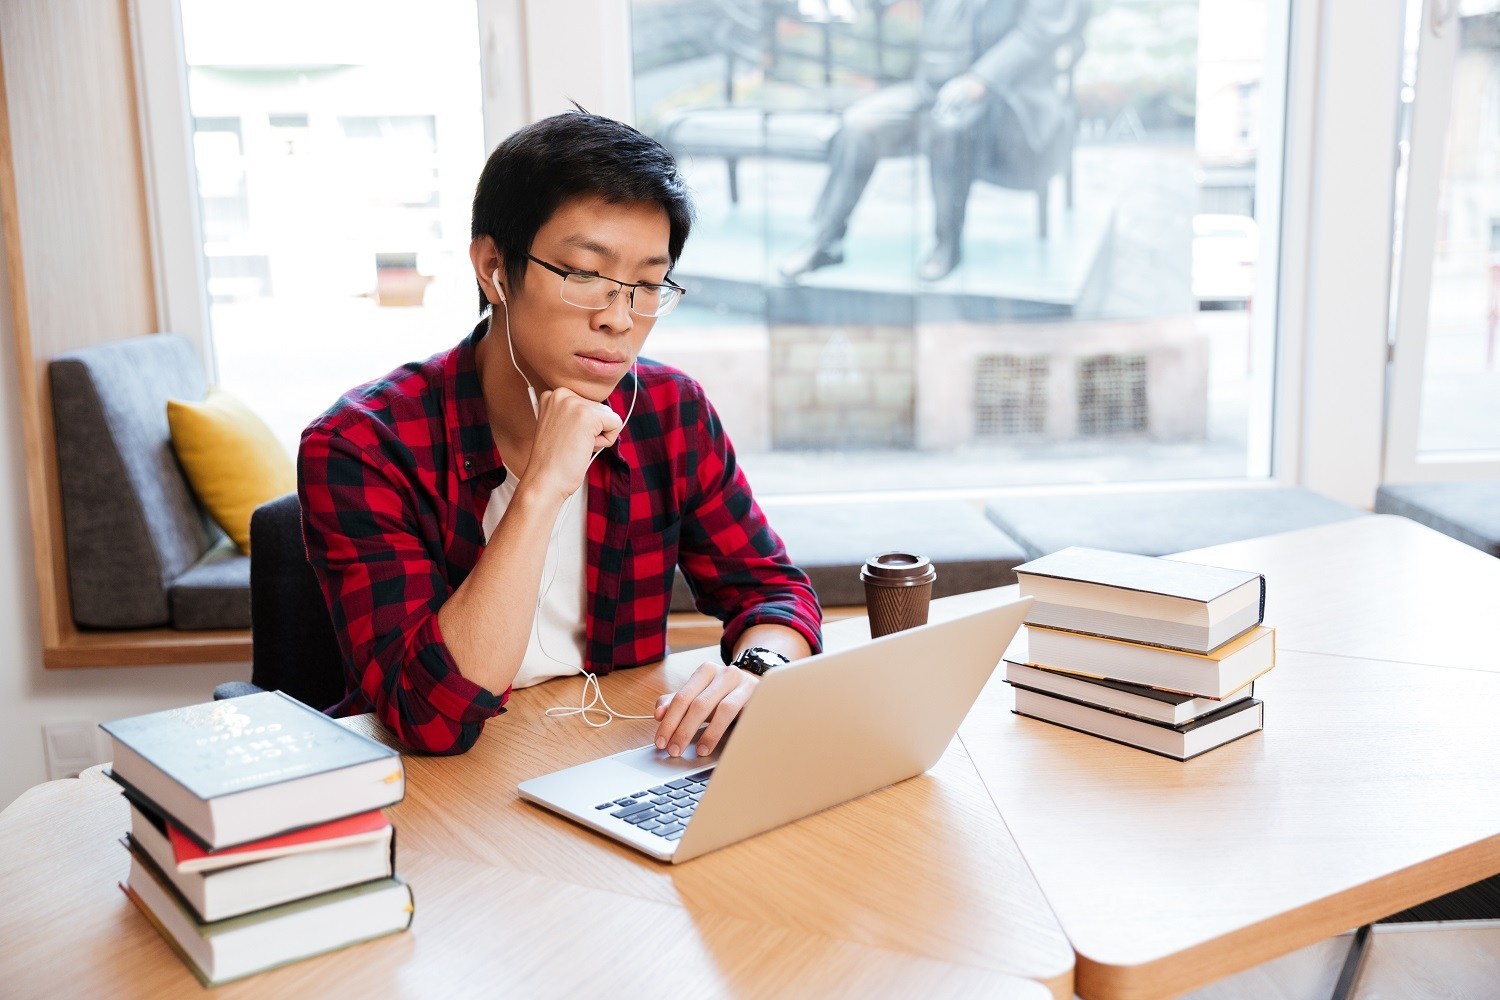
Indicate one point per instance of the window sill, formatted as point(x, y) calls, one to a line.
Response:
point(148, 647)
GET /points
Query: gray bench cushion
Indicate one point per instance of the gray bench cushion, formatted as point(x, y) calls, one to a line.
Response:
point(1156, 524)
point(214, 592)
point(1469, 512)
point(830, 542)
point(131, 523)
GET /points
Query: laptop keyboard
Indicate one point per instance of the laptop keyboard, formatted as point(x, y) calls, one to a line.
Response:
point(662, 810)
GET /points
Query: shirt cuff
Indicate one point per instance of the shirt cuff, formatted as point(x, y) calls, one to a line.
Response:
point(438, 682)
point(770, 614)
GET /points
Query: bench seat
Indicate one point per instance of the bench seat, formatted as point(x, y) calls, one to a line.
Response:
point(142, 553)
point(1469, 512)
point(831, 541)
point(1160, 523)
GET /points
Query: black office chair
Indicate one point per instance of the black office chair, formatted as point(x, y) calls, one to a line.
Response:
point(293, 647)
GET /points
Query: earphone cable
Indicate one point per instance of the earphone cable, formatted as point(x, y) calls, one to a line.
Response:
point(586, 704)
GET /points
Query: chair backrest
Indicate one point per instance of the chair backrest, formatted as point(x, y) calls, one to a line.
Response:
point(131, 523)
point(293, 646)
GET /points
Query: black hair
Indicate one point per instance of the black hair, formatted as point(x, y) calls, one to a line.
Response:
point(544, 164)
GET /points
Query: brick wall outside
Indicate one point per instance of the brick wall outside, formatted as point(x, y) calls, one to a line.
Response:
point(842, 387)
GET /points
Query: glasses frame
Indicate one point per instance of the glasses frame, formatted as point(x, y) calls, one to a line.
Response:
point(565, 273)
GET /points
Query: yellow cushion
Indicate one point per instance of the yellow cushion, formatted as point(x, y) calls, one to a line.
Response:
point(231, 458)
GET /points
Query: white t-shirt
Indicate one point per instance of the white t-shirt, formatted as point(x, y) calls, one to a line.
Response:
point(558, 628)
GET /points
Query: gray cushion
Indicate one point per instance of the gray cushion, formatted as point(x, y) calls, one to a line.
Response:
point(214, 592)
point(130, 520)
point(1469, 512)
point(830, 542)
point(1157, 524)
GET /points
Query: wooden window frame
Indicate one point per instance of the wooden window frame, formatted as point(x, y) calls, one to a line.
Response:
point(73, 189)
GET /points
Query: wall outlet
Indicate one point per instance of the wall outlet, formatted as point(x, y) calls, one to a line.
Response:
point(70, 748)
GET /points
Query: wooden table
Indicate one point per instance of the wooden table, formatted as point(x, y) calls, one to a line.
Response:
point(1375, 785)
point(915, 889)
point(1379, 588)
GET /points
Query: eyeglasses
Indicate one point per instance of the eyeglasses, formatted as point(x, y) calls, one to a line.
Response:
point(595, 291)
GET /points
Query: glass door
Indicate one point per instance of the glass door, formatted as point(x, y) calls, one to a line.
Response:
point(1443, 419)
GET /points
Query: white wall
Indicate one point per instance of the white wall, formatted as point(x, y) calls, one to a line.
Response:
point(31, 696)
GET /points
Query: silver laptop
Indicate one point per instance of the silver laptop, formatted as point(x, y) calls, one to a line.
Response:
point(816, 733)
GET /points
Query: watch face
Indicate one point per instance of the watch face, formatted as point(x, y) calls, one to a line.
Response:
point(758, 661)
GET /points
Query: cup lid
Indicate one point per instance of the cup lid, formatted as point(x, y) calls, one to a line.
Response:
point(901, 568)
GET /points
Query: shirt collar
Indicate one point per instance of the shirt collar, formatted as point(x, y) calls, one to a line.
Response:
point(471, 443)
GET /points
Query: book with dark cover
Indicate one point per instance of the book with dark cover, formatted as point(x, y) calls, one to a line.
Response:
point(1184, 742)
point(245, 768)
point(1156, 704)
point(1161, 602)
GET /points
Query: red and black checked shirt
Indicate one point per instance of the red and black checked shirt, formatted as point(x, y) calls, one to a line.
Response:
point(394, 481)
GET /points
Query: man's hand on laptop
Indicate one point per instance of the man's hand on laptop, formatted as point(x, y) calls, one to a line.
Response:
point(716, 692)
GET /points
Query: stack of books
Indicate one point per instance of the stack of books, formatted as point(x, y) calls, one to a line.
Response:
point(256, 837)
point(1153, 653)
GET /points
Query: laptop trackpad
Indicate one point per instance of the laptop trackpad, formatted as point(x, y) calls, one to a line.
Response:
point(651, 761)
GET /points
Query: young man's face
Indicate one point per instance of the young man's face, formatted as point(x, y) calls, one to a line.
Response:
point(587, 350)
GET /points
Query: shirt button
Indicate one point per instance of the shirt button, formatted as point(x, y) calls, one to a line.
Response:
point(468, 465)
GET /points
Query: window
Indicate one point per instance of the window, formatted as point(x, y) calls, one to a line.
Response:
point(1461, 388)
point(1445, 406)
point(335, 166)
point(1119, 213)
point(914, 282)
point(1010, 397)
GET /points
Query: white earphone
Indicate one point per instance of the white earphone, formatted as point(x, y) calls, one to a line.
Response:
point(530, 389)
point(590, 700)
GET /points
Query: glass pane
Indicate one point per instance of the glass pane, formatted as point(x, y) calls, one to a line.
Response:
point(1461, 380)
point(336, 163)
point(966, 242)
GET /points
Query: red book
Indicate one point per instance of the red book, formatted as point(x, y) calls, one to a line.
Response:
point(191, 857)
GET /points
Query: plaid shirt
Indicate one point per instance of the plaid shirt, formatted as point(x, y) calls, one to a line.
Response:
point(394, 481)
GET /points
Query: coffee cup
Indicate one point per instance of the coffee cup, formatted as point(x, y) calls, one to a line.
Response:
point(898, 589)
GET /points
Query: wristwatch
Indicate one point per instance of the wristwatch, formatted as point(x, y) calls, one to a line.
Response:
point(758, 659)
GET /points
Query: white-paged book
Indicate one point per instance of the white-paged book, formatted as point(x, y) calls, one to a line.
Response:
point(1162, 602)
point(1215, 675)
point(240, 946)
point(257, 884)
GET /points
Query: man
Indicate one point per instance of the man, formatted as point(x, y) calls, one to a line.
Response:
point(514, 509)
point(984, 76)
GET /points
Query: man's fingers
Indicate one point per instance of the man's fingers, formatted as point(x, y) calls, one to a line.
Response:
point(726, 679)
point(678, 706)
point(726, 713)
